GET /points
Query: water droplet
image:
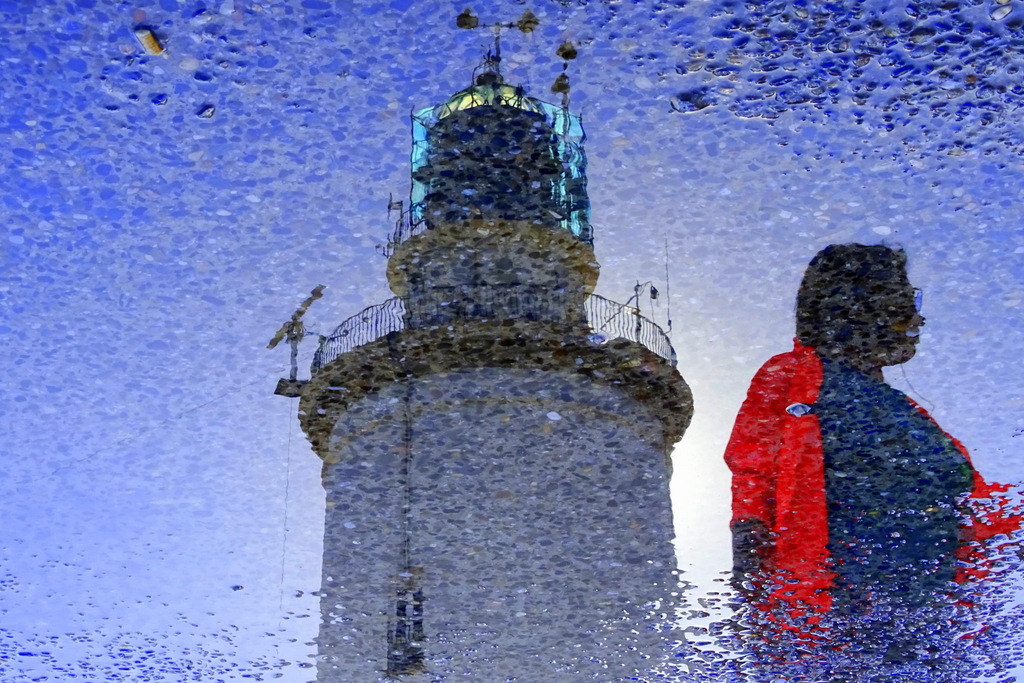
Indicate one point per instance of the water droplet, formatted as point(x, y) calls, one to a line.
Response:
point(1001, 12)
point(798, 409)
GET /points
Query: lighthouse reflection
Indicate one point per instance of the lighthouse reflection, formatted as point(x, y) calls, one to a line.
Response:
point(500, 523)
point(859, 525)
point(495, 438)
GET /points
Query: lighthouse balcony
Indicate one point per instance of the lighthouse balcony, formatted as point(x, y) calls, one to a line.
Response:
point(601, 320)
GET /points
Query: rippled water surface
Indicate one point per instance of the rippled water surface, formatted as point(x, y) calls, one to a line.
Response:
point(508, 447)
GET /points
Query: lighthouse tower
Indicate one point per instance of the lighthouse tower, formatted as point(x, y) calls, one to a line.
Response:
point(495, 439)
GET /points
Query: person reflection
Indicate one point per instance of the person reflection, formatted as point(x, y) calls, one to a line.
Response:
point(848, 498)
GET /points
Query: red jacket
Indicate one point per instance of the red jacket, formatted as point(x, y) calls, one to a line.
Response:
point(775, 454)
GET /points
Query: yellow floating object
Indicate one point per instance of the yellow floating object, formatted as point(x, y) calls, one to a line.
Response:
point(148, 40)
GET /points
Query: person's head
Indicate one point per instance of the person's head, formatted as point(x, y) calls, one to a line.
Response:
point(856, 304)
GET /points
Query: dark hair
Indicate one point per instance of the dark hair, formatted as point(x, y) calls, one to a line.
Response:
point(847, 291)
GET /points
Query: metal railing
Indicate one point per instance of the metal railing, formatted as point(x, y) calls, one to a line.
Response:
point(611, 320)
point(406, 227)
point(607, 320)
point(364, 327)
point(412, 222)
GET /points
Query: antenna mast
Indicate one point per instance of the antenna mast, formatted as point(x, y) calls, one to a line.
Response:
point(668, 288)
point(567, 52)
point(293, 330)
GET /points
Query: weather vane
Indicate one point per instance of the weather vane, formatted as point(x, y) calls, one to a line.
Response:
point(526, 23)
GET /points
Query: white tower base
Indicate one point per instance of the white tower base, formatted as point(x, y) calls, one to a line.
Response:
point(532, 508)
